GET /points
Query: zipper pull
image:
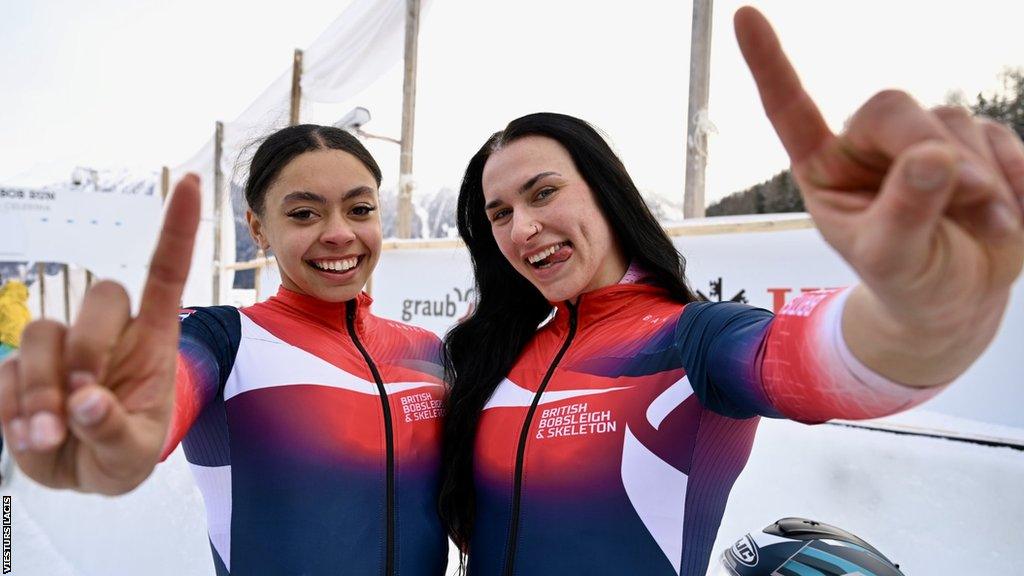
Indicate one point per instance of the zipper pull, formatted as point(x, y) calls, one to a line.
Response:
point(573, 309)
point(350, 310)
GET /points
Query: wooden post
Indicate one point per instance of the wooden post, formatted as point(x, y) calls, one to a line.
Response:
point(293, 119)
point(165, 182)
point(696, 136)
point(218, 208)
point(67, 294)
point(412, 30)
point(41, 273)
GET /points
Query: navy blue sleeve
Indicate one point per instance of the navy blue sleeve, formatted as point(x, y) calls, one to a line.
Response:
point(213, 332)
point(722, 344)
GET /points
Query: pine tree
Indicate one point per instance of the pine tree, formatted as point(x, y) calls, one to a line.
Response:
point(781, 194)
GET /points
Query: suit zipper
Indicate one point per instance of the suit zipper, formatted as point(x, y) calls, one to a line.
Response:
point(350, 321)
point(513, 533)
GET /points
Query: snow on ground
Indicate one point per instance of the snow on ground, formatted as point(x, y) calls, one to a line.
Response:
point(158, 529)
point(937, 507)
point(930, 422)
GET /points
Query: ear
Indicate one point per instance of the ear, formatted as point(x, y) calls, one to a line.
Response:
point(256, 230)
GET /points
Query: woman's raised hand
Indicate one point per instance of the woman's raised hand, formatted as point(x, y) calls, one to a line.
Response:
point(926, 205)
point(88, 406)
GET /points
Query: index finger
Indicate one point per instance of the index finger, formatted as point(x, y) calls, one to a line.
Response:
point(168, 269)
point(793, 114)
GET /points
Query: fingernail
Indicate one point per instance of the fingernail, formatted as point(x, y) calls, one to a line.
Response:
point(45, 431)
point(928, 174)
point(80, 379)
point(1002, 219)
point(973, 175)
point(18, 430)
point(90, 409)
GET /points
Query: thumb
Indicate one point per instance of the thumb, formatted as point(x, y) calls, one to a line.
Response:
point(899, 225)
point(915, 193)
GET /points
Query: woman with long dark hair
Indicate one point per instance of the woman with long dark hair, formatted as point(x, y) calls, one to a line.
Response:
point(311, 425)
point(599, 414)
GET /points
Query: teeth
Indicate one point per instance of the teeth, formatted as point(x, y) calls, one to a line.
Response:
point(337, 265)
point(542, 255)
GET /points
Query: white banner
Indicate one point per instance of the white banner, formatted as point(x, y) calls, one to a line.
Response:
point(429, 288)
point(762, 261)
point(110, 232)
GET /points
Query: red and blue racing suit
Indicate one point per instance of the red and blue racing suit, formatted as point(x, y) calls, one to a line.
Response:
point(313, 431)
point(612, 445)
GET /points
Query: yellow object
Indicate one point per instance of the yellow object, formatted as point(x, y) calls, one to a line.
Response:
point(14, 314)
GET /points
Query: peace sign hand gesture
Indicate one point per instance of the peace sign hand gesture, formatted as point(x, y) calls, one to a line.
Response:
point(88, 406)
point(926, 205)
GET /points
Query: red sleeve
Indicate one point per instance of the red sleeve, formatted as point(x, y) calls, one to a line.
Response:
point(810, 375)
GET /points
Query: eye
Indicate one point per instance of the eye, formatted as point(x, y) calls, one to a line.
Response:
point(500, 214)
point(363, 210)
point(545, 192)
point(302, 214)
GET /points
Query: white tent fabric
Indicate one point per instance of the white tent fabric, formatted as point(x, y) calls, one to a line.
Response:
point(355, 50)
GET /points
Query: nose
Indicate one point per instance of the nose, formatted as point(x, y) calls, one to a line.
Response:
point(337, 231)
point(524, 227)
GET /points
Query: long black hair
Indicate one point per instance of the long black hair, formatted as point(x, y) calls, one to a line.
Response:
point(480, 351)
point(282, 146)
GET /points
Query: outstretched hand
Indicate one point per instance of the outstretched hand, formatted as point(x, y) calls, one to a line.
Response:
point(88, 406)
point(927, 206)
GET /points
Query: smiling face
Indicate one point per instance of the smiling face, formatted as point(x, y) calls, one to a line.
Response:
point(321, 221)
point(546, 221)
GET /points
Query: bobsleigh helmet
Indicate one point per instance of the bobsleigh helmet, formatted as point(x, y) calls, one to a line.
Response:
point(799, 547)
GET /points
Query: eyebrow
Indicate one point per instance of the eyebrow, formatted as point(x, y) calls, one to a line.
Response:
point(304, 195)
point(356, 192)
point(522, 189)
